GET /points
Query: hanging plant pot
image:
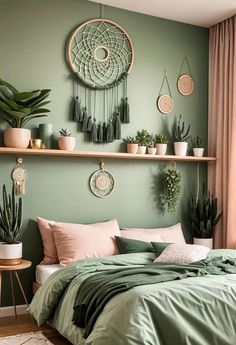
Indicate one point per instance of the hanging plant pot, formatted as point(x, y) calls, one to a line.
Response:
point(10, 254)
point(161, 149)
point(180, 148)
point(66, 143)
point(207, 242)
point(17, 137)
point(198, 151)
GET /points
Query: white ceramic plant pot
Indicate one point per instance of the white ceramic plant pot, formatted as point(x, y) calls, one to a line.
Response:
point(66, 143)
point(207, 242)
point(17, 137)
point(142, 150)
point(152, 151)
point(10, 254)
point(161, 149)
point(180, 148)
point(198, 151)
point(132, 148)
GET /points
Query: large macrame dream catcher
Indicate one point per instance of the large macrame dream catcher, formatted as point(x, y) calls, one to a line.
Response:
point(100, 54)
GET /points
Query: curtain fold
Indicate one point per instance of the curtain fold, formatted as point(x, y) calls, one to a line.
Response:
point(222, 127)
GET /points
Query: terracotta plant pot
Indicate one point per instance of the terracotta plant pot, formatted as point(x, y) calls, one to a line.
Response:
point(132, 148)
point(10, 254)
point(207, 242)
point(180, 148)
point(17, 137)
point(66, 143)
point(198, 151)
point(152, 151)
point(161, 149)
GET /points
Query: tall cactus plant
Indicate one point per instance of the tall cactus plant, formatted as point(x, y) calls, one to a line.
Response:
point(10, 216)
point(180, 133)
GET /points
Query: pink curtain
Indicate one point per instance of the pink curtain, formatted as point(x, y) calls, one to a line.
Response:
point(222, 127)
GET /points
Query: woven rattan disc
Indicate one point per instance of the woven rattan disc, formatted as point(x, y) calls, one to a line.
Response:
point(165, 104)
point(185, 84)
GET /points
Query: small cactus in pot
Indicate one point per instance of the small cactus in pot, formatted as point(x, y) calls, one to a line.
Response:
point(132, 144)
point(66, 141)
point(181, 136)
point(151, 147)
point(161, 141)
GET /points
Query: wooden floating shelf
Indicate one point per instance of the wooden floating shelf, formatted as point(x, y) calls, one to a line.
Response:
point(93, 154)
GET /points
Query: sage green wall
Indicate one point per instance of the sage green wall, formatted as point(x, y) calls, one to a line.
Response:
point(33, 36)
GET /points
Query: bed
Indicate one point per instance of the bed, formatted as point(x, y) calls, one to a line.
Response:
point(192, 310)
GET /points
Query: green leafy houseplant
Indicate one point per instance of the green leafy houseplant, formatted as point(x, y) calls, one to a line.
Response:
point(161, 139)
point(180, 133)
point(202, 215)
point(130, 140)
point(171, 188)
point(17, 108)
point(65, 132)
point(197, 142)
point(143, 137)
point(10, 217)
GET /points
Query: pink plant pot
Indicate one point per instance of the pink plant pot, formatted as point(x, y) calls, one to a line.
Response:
point(66, 143)
point(17, 137)
point(132, 148)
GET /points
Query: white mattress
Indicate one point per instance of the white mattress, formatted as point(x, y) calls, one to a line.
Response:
point(44, 271)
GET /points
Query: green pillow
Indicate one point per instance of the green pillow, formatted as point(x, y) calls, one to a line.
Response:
point(127, 245)
point(158, 247)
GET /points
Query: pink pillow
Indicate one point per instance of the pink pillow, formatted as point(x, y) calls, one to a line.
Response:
point(49, 246)
point(78, 241)
point(171, 234)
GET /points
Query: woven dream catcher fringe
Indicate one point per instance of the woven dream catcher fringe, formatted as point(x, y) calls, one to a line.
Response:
point(100, 55)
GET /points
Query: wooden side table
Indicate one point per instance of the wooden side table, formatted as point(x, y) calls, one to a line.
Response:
point(13, 269)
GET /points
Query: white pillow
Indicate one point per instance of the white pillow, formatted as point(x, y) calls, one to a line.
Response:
point(183, 253)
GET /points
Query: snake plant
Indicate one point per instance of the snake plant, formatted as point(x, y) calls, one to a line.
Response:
point(17, 108)
point(10, 216)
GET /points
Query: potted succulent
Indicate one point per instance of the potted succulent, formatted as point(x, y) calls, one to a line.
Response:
point(18, 108)
point(197, 146)
point(66, 141)
point(143, 138)
point(203, 218)
point(181, 136)
point(161, 144)
point(151, 147)
point(10, 226)
point(132, 145)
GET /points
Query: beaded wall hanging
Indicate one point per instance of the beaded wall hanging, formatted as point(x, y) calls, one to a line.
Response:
point(100, 55)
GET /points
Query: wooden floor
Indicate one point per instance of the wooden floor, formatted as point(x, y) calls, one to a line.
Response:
point(24, 324)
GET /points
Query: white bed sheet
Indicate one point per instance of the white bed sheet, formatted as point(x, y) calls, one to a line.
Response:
point(44, 271)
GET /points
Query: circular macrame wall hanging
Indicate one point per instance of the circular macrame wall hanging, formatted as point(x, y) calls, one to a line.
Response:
point(100, 52)
point(185, 82)
point(102, 182)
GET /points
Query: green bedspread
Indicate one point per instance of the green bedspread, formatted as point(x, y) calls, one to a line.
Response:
point(199, 310)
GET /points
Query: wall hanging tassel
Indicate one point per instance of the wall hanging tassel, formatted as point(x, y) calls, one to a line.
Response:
point(85, 120)
point(110, 132)
point(104, 129)
point(77, 111)
point(117, 126)
point(94, 132)
point(19, 175)
point(100, 133)
point(90, 124)
point(126, 117)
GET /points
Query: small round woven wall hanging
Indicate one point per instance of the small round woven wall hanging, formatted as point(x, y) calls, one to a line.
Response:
point(100, 52)
point(185, 82)
point(165, 102)
point(102, 182)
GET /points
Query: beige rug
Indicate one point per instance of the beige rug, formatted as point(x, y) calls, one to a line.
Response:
point(26, 339)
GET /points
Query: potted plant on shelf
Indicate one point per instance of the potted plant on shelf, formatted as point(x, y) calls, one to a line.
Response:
point(181, 136)
point(197, 146)
point(132, 145)
point(17, 108)
point(203, 218)
point(143, 138)
point(66, 141)
point(161, 144)
point(10, 226)
point(151, 147)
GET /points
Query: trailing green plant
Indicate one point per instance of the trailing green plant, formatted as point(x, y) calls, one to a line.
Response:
point(196, 142)
point(65, 132)
point(17, 108)
point(180, 133)
point(10, 217)
point(161, 139)
point(202, 214)
point(171, 188)
point(143, 137)
point(130, 140)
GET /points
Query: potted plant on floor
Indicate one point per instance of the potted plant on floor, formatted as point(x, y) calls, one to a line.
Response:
point(10, 226)
point(197, 146)
point(161, 144)
point(132, 145)
point(143, 138)
point(66, 141)
point(18, 108)
point(181, 136)
point(203, 217)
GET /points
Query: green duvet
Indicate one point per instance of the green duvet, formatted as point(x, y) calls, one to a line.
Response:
point(198, 309)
